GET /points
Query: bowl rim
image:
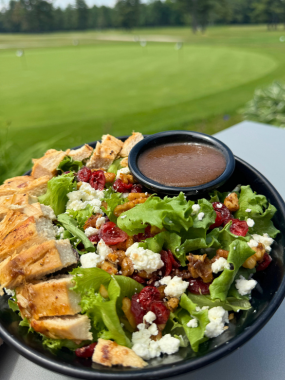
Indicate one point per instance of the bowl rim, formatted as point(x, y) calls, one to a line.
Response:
point(194, 190)
point(163, 371)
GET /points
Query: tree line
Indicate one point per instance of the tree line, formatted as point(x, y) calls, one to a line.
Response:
point(36, 16)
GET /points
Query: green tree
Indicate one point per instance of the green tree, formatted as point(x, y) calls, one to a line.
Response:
point(127, 13)
point(81, 14)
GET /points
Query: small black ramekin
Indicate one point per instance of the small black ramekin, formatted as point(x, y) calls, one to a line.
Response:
point(180, 137)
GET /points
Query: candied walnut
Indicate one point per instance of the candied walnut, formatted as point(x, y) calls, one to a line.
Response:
point(79, 184)
point(220, 253)
point(103, 291)
point(143, 274)
point(127, 267)
point(109, 267)
point(127, 206)
point(231, 202)
point(123, 245)
point(124, 162)
point(184, 274)
point(134, 196)
point(172, 304)
point(251, 262)
point(91, 222)
point(109, 177)
point(231, 316)
point(120, 256)
point(126, 307)
point(113, 258)
point(200, 266)
point(126, 179)
point(161, 291)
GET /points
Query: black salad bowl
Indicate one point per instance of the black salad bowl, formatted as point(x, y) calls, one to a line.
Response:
point(266, 298)
point(182, 136)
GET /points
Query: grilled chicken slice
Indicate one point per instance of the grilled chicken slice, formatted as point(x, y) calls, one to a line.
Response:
point(24, 185)
point(76, 328)
point(47, 165)
point(109, 353)
point(19, 232)
point(81, 153)
point(36, 262)
point(105, 153)
point(130, 143)
point(49, 298)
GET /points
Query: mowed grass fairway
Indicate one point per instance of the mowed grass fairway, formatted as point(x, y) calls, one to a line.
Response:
point(76, 93)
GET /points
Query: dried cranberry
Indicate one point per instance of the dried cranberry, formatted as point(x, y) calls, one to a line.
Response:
point(84, 174)
point(161, 311)
point(111, 234)
point(198, 287)
point(166, 259)
point(147, 296)
point(142, 236)
point(138, 278)
point(223, 214)
point(94, 238)
point(175, 264)
point(97, 180)
point(136, 188)
point(137, 309)
point(121, 187)
point(239, 227)
point(265, 263)
point(85, 352)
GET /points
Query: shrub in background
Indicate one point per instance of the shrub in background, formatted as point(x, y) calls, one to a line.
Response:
point(267, 105)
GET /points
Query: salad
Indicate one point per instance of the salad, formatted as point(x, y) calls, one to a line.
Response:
point(96, 264)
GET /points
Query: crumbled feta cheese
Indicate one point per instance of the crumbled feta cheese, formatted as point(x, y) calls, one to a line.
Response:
point(193, 323)
point(248, 210)
point(86, 195)
point(144, 259)
point(125, 195)
point(48, 212)
point(100, 221)
point(218, 317)
point(219, 265)
point(244, 286)
point(153, 329)
point(103, 250)
point(149, 317)
point(202, 309)
point(201, 216)
point(252, 243)
point(265, 240)
point(146, 348)
point(195, 209)
point(9, 292)
point(219, 205)
point(175, 287)
point(89, 260)
point(123, 171)
point(59, 231)
point(250, 222)
point(90, 231)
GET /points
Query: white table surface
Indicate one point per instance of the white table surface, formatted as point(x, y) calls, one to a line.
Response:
point(263, 357)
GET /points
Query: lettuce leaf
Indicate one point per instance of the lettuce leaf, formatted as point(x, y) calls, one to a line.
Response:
point(81, 216)
point(112, 199)
point(13, 305)
point(71, 225)
point(261, 212)
point(165, 239)
point(239, 252)
point(194, 335)
point(115, 166)
point(104, 313)
point(223, 238)
point(56, 344)
point(68, 164)
point(230, 304)
point(57, 189)
point(174, 214)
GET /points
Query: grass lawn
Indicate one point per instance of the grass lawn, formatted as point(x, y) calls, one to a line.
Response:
point(72, 94)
